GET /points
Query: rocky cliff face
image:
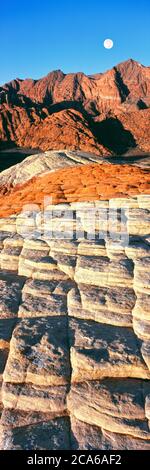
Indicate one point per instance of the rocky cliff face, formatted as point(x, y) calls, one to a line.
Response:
point(74, 312)
point(105, 113)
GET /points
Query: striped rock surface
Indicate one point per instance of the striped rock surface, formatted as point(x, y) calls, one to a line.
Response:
point(75, 327)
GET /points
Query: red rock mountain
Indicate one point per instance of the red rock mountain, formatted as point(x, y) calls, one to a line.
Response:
point(103, 113)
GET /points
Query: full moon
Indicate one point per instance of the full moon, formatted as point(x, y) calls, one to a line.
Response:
point(108, 43)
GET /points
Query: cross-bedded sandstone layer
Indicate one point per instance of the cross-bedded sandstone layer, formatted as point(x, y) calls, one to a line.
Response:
point(75, 326)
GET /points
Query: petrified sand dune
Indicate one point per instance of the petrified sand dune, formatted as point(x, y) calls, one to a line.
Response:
point(87, 183)
point(74, 315)
point(41, 163)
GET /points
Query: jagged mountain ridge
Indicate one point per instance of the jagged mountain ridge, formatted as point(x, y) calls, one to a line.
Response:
point(102, 113)
point(130, 79)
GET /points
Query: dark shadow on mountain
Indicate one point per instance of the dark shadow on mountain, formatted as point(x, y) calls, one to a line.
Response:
point(7, 145)
point(113, 136)
point(122, 87)
point(109, 132)
point(142, 105)
point(76, 106)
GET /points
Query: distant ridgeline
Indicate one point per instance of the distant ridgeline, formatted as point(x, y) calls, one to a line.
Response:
point(104, 113)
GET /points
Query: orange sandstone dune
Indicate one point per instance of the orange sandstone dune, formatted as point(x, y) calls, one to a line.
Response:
point(83, 183)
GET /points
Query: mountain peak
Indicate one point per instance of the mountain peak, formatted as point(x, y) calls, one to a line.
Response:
point(130, 63)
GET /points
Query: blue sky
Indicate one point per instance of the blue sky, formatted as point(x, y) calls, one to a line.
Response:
point(38, 36)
